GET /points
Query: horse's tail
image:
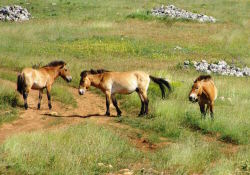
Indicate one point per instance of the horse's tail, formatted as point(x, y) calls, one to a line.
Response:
point(20, 83)
point(162, 84)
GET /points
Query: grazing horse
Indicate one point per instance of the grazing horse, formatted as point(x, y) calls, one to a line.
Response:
point(112, 83)
point(40, 79)
point(205, 93)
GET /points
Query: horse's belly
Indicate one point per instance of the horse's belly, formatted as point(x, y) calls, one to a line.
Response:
point(37, 85)
point(121, 89)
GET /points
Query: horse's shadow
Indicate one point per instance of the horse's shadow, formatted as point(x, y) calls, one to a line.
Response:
point(76, 115)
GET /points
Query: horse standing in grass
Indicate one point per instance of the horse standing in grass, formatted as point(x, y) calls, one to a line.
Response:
point(112, 83)
point(39, 79)
point(205, 93)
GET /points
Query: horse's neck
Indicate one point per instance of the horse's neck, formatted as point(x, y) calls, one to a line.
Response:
point(95, 80)
point(53, 72)
point(204, 90)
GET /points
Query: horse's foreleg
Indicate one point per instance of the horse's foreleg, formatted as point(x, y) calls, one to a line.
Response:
point(49, 97)
point(212, 110)
point(25, 96)
point(40, 98)
point(146, 101)
point(108, 100)
point(119, 112)
point(207, 108)
point(202, 109)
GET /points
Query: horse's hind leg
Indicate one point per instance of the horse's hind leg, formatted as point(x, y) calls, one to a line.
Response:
point(25, 96)
point(116, 105)
point(108, 100)
point(212, 110)
point(40, 98)
point(49, 97)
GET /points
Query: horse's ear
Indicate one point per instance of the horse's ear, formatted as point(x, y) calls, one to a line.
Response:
point(62, 66)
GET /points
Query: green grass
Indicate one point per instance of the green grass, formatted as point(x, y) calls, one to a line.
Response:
point(8, 102)
point(43, 152)
point(121, 35)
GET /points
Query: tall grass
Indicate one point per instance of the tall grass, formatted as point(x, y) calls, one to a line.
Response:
point(74, 150)
point(8, 101)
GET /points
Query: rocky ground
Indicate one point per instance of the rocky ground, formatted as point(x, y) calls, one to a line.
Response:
point(222, 68)
point(175, 12)
point(14, 13)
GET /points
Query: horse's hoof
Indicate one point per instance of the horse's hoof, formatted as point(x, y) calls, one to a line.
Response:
point(38, 106)
point(26, 106)
point(119, 113)
point(140, 115)
point(107, 113)
point(50, 106)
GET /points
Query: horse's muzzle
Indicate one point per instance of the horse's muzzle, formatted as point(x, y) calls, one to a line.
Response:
point(68, 79)
point(193, 99)
point(81, 92)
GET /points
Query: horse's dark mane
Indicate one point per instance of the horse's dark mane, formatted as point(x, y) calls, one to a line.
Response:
point(92, 71)
point(55, 63)
point(203, 77)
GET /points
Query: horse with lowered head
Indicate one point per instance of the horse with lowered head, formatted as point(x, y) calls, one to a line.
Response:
point(205, 93)
point(112, 83)
point(42, 78)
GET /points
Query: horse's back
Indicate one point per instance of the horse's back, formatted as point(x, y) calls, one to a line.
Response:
point(127, 82)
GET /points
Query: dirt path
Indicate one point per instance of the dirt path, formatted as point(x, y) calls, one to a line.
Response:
point(33, 119)
point(90, 107)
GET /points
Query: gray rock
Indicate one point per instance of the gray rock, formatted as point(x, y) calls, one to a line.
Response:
point(186, 62)
point(221, 68)
point(174, 12)
point(14, 13)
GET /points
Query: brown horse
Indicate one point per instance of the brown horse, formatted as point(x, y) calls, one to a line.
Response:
point(205, 93)
point(112, 83)
point(39, 79)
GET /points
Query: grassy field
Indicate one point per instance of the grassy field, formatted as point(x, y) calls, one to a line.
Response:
point(121, 35)
point(9, 100)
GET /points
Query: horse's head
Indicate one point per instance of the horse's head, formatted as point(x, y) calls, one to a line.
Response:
point(197, 88)
point(195, 92)
point(84, 82)
point(65, 73)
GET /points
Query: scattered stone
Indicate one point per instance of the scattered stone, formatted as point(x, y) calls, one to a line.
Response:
point(100, 164)
point(175, 12)
point(178, 48)
point(126, 172)
point(221, 68)
point(14, 13)
point(151, 171)
point(186, 62)
point(106, 166)
point(54, 113)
